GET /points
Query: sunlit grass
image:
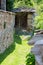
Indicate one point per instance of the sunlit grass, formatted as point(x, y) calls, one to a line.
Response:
point(18, 55)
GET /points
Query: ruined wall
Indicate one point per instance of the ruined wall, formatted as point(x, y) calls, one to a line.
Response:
point(7, 20)
point(30, 20)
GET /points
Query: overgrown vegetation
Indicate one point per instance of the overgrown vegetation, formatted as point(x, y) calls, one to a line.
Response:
point(39, 11)
point(18, 53)
point(23, 3)
point(19, 3)
point(37, 4)
point(9, 5)
point(30, 59)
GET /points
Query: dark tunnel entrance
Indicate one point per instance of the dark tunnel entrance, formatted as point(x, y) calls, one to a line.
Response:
point(21, 20)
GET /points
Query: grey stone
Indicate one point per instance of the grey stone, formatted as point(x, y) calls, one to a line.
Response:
point(35, 38)
point(37, 50)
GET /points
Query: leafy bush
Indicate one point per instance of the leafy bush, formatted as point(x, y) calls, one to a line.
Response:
point(39, 21)
point(9, 4)
point(23, 3)
point(30, 59)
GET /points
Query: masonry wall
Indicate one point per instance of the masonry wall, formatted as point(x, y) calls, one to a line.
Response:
point(7, 20)
point(30, 21)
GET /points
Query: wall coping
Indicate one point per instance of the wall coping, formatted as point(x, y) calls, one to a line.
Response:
point(7, 12)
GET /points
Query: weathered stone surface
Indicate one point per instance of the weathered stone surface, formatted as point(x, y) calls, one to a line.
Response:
point(35, 38)
point(7, 21)
point(37, 50)
point(30, 20)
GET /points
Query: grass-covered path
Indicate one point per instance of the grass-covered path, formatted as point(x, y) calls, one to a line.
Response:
point(17, 53)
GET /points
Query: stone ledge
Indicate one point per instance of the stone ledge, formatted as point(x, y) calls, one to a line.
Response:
point(7, 12)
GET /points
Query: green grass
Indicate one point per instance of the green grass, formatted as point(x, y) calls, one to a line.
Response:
point(17, 53)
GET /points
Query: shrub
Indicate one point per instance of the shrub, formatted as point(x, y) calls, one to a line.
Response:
point(30, 59)
point(9, 4)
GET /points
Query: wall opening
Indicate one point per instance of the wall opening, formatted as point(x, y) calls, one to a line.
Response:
point(21, 20)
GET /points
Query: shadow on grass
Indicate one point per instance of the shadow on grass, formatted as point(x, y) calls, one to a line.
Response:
point(7, 52)
point(11, 48)
point(30, 59)
point(17, 39)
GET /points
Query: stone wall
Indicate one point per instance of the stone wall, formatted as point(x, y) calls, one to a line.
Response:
point(7, 21)
point(30, 21)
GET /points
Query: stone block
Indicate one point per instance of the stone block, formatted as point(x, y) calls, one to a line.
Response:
point(37, 50)
point(35, 38)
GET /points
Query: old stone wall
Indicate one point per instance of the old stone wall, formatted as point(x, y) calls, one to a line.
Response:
point(30, 21)
point(7, 20)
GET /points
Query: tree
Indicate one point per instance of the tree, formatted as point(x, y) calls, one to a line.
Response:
point(39, 18)
point(25, 3)
point(9, 4)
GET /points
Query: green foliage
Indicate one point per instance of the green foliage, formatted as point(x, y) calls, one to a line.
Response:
point(19, 3)
point(23, 3)
point(30, 59)
point(9, 4)
point(39, 21)
point(41, 8)
point(39, 11)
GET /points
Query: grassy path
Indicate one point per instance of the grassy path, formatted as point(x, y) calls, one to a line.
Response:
point(16, 53)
